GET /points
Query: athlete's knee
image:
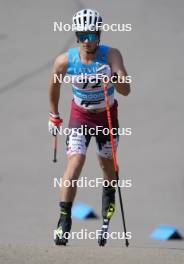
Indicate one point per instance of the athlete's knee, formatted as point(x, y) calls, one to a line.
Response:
point(74, 166)
point(106, 164)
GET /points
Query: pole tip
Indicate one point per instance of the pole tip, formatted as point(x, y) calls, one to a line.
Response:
point(127, 243)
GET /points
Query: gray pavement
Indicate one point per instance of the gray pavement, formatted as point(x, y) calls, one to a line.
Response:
point(71, 255)
point(151, 157)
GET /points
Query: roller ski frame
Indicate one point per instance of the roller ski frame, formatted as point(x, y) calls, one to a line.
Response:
point(102, 239)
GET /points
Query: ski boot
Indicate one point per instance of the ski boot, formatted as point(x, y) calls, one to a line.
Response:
point(61, 234)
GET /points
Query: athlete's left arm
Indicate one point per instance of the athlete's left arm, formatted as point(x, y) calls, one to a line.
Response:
point(116, 63)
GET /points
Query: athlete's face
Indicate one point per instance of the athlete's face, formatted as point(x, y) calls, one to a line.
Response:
point(88, 40)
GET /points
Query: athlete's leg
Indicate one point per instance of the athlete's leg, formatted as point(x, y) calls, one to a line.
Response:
point(71, 175)
point(76, 149)
point(107, 165)
point(68, 191)
point(108, 192)
point(108, 196)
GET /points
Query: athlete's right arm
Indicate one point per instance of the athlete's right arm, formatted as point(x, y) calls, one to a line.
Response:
point(58, 73)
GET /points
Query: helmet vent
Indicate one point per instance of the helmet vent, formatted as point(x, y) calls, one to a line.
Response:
point(86, 20)
point(90, 20)
point(95, 20)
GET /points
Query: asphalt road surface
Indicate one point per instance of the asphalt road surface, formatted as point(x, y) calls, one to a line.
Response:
point(151, 157)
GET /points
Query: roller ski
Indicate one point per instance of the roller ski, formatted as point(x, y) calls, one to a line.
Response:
point(102, 240)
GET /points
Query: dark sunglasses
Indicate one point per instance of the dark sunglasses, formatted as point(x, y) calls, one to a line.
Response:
point(90, 36)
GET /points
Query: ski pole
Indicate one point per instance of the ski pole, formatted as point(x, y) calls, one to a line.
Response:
point(55, 148)
point(114, 157)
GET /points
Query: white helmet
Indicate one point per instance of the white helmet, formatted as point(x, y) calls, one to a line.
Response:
point(87, 20)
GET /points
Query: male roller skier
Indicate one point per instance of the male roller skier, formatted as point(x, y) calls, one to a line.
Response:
point(87, 108)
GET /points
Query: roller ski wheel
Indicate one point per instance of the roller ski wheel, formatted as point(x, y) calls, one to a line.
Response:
point(102, 239)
